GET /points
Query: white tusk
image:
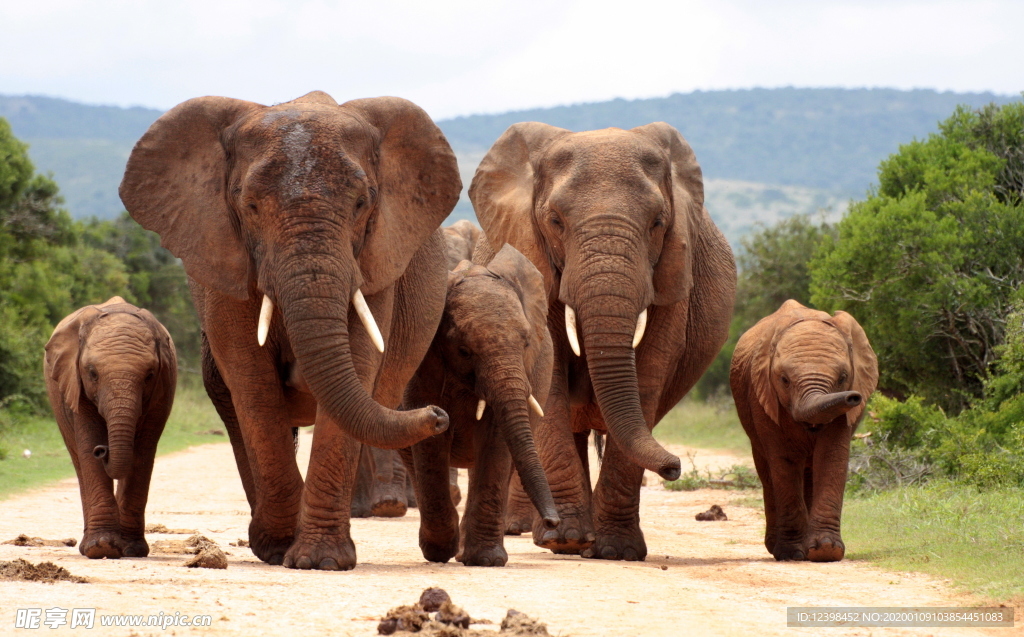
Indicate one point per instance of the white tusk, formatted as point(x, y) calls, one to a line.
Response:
point(536, 406)
point(363, 310)
point(570, 330)
point(641, 325)
point(263, 326)
point(480, 406)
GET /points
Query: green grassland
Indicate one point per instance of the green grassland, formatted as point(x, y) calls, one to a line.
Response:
point(192, 422)
point(707, 425)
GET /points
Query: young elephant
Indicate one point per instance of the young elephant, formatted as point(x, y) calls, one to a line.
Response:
point(800, 379)
point(489, 368)
point(110, 371)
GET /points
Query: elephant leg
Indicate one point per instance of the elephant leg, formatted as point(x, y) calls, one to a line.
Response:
point(519, 511)
point(102, 535)
point(133, 491)
point(787, 475)
point(220, 396)
point(439, 521)
point(362, 492)
point(483, 523)
point(389, 484)
point(617, 508)
point(771, 532)
point(823, 540)
point(323, 540)
point(570, 489)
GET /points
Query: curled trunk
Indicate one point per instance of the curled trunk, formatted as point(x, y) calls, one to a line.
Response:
point(819, 408)
point(608, 340)
point(315, 307)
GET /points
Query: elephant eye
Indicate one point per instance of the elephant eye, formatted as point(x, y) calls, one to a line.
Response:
point(150, 376)
point(360, 203)
point(842, 378)
point(556, 222)
point(464, 352)
point(92, 374)
point(658, 223)
point(785, 381)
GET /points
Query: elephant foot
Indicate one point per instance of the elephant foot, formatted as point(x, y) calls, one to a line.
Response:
point(99, 544)
point(628, 545)
point(321, 553)
point(135, 548)
point(268, 546)
point(789, 552)
point(518, 527)
point(389, 507)
point(571, 537)
point(441, 547)
point(490, 555)
point(825, 548)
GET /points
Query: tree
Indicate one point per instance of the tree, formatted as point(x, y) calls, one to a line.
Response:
point(932, 261)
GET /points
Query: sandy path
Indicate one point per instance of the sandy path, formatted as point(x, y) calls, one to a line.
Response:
point(719, 579)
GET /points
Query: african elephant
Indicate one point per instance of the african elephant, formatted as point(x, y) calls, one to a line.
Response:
point(489, 368)
point(800, 379)
point(110, 374)
point(615, 221)
point(309, 232)
point(460, 240)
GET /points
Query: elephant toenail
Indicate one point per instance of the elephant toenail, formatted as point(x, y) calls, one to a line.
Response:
point(629, 555)
point(549, 536)
point(591, 537)
point(573, 535)
point(587, 553)
point(304, 563)
point(608, 553)
point(329, 564)
point(276, 559)
point(483, 561)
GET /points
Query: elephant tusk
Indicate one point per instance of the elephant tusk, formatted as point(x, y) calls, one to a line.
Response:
point(480, 406)
point(641, 325)
point(363, 310)
point(570, 330)
point(263, 326)
point(536, 406)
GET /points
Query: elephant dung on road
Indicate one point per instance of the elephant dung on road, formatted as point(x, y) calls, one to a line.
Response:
point(640, 287)
point(111, 372)
point(800, 379)
point(310, 234)
point(489, 367)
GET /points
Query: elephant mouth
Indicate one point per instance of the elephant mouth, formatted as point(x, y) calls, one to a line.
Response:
point(813, 428)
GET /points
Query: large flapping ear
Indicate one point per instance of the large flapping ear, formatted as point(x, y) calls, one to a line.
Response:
point(511, 265)
point(754, 352)
point(865, 363)
point(174, 184)
point(673, 273)
point(418, 181)
point(167, 375)
point(502, 191)
point(63, 348)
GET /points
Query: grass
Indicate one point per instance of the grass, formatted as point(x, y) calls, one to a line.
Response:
point(974, 538)
point(707, 425)
point(191, 421)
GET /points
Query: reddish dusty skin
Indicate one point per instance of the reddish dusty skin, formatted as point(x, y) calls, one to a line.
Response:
point(718, 579)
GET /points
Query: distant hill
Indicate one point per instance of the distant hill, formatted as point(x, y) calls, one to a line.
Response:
point(766, 153)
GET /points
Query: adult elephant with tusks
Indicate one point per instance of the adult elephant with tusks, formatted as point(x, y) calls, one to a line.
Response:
point(309, 231)
point(641, 286)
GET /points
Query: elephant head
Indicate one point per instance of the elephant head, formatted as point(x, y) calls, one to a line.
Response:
point(112, 358)
point(495, 340)
point(610, 218)
point(310, 205)
point(814, 366)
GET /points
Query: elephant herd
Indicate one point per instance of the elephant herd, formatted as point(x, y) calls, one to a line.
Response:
point(596, 295)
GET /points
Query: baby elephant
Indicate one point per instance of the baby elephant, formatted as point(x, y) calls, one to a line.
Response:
point(110, 374)
point(800, 379)
point(489, 368)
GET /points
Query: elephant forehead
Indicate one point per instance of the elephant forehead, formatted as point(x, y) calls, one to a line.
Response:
point(594, 150)
point(486, 306)
point(116, 335)
point(812, 340)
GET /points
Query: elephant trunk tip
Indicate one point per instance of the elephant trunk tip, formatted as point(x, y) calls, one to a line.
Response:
point(552, 520)
point(671, 470)
point(100, 452)
point(853, 399)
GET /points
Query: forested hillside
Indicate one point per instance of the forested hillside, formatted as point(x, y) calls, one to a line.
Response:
point(767, 153)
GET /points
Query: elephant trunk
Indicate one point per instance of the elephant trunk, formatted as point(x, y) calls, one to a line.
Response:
point(819, 408)
point(511, 392)
point(315, 305)
point(608, 343)
point(120, 407)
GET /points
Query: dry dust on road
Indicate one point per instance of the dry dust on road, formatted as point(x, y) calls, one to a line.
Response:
point(700, 578)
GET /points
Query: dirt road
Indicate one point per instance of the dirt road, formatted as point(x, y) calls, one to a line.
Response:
point(707, 578)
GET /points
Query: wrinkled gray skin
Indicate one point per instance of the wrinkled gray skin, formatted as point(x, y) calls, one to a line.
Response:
point(493, 345)
point(110, 373)
point(800, 379)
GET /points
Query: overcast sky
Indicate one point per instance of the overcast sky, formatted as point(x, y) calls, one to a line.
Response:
point(458, 57)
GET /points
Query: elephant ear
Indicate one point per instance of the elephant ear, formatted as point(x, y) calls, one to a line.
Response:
point(673, 277)
point(418, 181)
point(503, 187)
point(511, 265)
point(864, 361)
point(63, 348)
point(756, 348)
point(174, 184)
point(167, 375)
